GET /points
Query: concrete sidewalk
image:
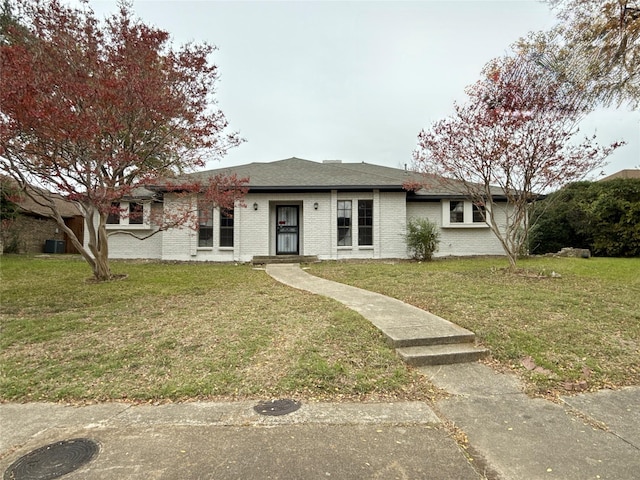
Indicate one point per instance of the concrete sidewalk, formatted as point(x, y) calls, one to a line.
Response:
point(205, 440)
point(514, 436)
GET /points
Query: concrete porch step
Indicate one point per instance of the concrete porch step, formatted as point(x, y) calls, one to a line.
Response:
point(269, 259)
point(416, 336)
point(441, 354)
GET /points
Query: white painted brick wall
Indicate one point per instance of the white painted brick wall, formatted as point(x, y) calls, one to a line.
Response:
point(393, 224)
point(254, 230)
point(179, 243)
point(459, 241)
point(125, 246)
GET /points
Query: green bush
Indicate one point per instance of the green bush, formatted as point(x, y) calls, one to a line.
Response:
point(561, 221)
point(601, 216)
point(423, 238)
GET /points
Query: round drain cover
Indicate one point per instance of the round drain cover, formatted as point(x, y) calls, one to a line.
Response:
point(275, 408)
point(52, 461)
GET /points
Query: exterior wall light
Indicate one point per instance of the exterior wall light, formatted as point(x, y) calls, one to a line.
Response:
point(315, 206)
point(255, 206)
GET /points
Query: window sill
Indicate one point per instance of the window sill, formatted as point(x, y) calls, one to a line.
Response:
point(204, 249)
point(466, 225)
point(226, 249)
point(365, 247)
point(113, 226)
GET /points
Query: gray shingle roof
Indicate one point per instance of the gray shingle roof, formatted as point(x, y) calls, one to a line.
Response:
point(627, 173)
point(298, 174)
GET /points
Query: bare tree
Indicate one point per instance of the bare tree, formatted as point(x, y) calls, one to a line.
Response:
point(514, 136)
point(598, 45)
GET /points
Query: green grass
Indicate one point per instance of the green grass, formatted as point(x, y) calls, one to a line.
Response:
point(582, 326)
point(183, 331)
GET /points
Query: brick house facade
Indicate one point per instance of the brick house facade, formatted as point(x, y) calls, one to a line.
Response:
point(331, 210)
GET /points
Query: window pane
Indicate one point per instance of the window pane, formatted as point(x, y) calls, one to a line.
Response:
point(226, 228)
point(344, 222)
point(479, 213)
point(135, 213)
point(114, 214)
point(205, 227)
point(205, 237)
point(365, 222)
point(456, 209)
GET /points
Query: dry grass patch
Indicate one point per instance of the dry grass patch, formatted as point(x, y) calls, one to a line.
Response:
point(576, 331)
point(184, 331)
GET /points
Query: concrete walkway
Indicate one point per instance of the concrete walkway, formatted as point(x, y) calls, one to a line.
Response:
point(514, 436)
point(419, 337)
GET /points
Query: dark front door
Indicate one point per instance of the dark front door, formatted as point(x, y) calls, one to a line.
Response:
point(287, 230)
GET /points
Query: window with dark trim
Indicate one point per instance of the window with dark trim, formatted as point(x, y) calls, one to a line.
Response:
point(114, 214)
point(365, 222)
point(479, 213)
point(226, 228)
point(205, 227)
point(136, 211)
point(344, 223)
point(456, 211)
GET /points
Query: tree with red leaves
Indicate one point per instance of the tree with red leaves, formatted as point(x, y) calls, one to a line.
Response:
point(515, 136)
point(96, 110)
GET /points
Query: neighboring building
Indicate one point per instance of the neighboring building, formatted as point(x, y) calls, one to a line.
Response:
point(627, 173)
point(35, 231)
point(331, 210)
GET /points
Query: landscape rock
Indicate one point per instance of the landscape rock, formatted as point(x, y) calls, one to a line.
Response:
point(574, 252)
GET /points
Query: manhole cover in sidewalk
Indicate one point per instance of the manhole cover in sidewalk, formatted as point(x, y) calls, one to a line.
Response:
point(276, 408)
point(52, 461)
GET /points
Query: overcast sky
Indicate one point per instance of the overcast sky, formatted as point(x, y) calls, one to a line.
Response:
point(356, 80)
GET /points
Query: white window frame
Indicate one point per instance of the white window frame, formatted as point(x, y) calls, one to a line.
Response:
point(355, 228)
point(219, 211)
point(124, 218)
point(212, 214)
point(467, 215)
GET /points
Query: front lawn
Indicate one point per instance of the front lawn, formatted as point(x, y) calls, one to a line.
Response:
point(183, 331)
point(563, 323)
point(204, 331)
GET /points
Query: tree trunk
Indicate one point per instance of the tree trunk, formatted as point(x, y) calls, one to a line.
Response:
point(98, 244)
point(101, 269)
point(98, 255)
point(513, 261)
